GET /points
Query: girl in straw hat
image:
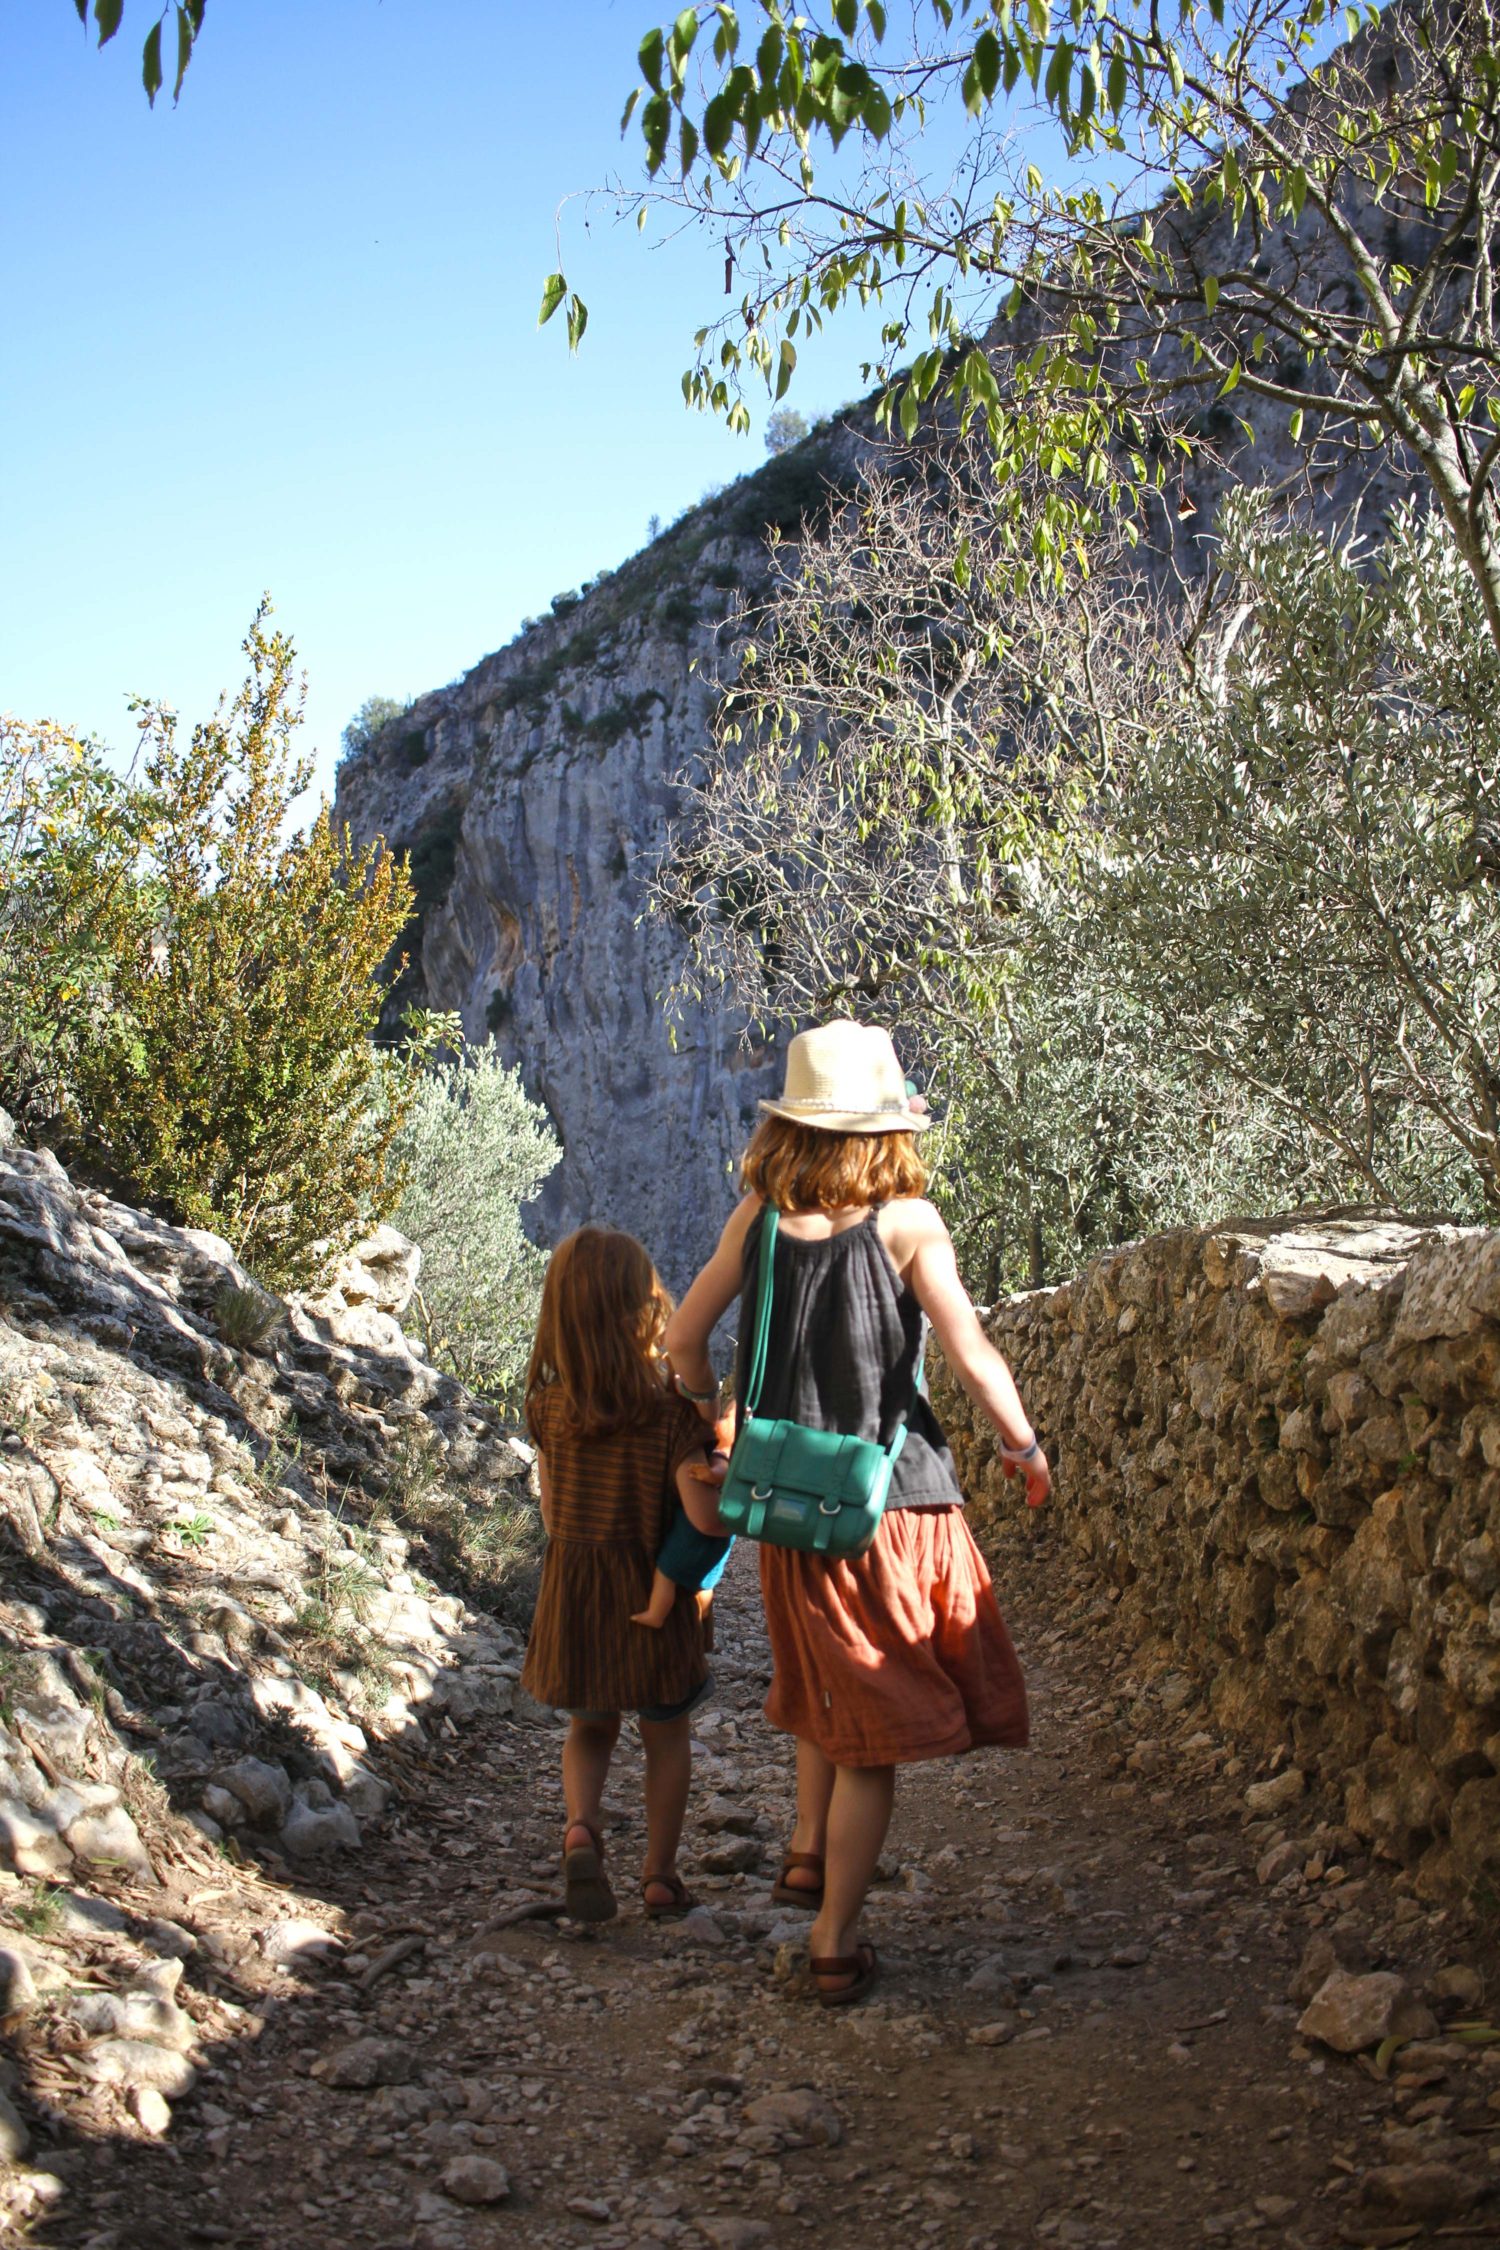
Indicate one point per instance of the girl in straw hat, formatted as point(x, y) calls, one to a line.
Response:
point(900, 1653)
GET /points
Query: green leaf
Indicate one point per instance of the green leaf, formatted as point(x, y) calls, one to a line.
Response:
point(1230, 380)
point(189, 20)
point(151, 63)
point(910, 413)
point(846, 16)
point(650, 54)
point(1210, 290)
point(107, 14)
point(788, 363)
point(578, 320)
point(83, 11)
point(554, 289)
point(1294, 423)
point(987, 63)
point(629, 110)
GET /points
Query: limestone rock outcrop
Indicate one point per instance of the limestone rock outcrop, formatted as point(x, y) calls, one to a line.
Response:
point(535, 796)
point(1279, 1444)
point(216, 1637)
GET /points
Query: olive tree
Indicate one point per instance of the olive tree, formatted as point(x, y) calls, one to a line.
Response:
point(473, 1149)
point(1298, 874)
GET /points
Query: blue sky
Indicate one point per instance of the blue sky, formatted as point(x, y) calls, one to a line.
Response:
point(284, 337)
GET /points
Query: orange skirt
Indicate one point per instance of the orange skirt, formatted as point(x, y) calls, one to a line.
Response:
point(898, 1655)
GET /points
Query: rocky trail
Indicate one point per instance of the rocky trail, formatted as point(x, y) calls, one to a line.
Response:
point(1095, 1959)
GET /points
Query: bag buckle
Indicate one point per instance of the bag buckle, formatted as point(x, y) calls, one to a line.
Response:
point(760, 1492)
point(825, 1508)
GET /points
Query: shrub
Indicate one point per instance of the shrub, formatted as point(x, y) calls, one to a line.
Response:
point(473, 1150)
point(245, 1317)
point(225, 1071)
point(374, 715)
point(71, 834)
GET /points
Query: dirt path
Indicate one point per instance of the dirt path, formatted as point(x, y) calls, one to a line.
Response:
point(1083, 2037)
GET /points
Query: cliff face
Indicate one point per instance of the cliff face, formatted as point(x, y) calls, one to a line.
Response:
point(535, 795)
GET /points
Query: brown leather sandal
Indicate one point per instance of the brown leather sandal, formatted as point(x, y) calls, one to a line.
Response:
point(809, 1895)
point(861, 1967)
point(683, 1900)
point(587, 1895)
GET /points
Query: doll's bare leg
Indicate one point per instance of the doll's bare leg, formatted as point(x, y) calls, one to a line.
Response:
point(659, 1608)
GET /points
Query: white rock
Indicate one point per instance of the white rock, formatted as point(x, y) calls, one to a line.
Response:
point(138, 2062)
point(1282, 1790)
point(798, 2116)
point(15, 2139)
point(731, 2231)
point(111, 1838)
point(312, 1831)
point(151, 2109)
point(29, 1842)
point(17, 1984)
point(475, 2179)
point(291, 1943)
point(1348, 2012)
point(263, 1789)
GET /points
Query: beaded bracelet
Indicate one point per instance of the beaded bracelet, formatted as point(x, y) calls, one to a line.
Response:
point(1016, 1455)
point(699, 1398)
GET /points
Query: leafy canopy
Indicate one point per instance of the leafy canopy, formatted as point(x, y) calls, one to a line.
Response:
point(1238, 208)
point(188, 14)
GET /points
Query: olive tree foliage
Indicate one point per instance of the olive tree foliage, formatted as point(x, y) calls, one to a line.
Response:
point(1183, 898)
point(1300, 876)
point(909, 716)
point(186, 19)
point(473, 1149)
point(1242, 205)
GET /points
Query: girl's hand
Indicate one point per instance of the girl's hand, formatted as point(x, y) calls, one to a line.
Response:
point(1033, 1467)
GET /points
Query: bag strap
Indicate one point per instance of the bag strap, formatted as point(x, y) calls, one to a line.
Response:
point(764, 1287)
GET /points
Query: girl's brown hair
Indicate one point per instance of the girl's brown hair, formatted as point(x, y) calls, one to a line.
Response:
point(802, 1168)
point(599, 1333)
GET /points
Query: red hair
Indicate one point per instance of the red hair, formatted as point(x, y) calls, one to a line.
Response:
point(599, 1333)
point(803, 1168)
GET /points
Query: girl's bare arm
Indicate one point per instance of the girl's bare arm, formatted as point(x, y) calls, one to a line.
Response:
point(544, 1493)
point(922, 1251)
point(707, 1301)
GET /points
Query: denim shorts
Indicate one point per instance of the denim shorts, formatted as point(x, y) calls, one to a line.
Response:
point(655, 1714)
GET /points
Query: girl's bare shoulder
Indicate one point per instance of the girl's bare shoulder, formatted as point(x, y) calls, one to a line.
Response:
point(908, 1224)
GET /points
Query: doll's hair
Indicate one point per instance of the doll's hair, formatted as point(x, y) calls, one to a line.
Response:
point(599, 1333)
point(804, 1168)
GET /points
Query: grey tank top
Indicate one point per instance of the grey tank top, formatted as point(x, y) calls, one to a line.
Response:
point(845, 1339)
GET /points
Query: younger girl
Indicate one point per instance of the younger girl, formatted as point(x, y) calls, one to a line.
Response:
point(616, 1450)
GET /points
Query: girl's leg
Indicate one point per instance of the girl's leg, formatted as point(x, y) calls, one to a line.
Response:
point(858, 1817)
point(585, 1763)
point(668, 1745)
point(815, 1779)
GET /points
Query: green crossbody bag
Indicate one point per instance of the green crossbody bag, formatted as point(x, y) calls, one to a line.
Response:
point(795, 1487)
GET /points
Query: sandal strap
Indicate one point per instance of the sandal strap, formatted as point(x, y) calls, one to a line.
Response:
point(839, 1964)
point(589, 1830)
point(672, 1883)
point(802, 1859)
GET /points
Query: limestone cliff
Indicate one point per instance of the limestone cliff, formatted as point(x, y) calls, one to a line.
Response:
point(534, 796)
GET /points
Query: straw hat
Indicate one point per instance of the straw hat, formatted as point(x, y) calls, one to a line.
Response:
point(844, 1078)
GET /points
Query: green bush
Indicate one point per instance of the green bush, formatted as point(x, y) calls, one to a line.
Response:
point(216, 978)
point(71, 836)
point(473, 1149)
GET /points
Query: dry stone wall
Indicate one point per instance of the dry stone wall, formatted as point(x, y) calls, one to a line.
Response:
point(1279, 1445)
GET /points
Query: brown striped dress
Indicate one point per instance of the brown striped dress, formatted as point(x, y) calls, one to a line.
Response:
point(611, 1498)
